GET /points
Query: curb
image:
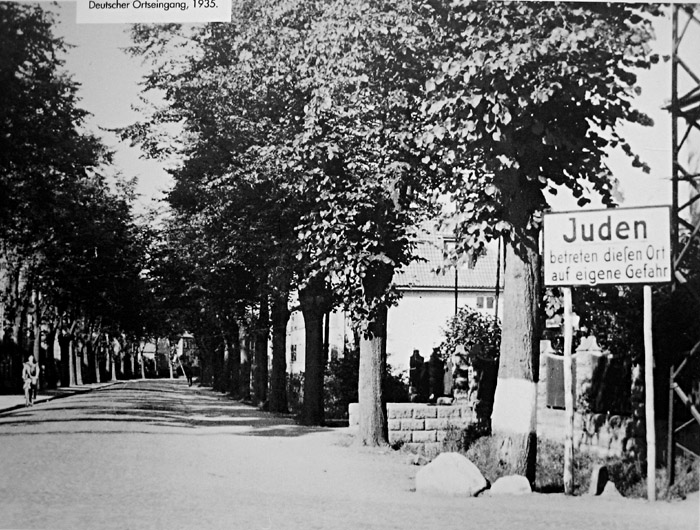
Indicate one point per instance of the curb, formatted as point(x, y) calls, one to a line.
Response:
point(70, 391)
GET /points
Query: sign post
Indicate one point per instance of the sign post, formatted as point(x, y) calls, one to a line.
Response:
point(650, 416)
point(568, 394)
point(612, 246)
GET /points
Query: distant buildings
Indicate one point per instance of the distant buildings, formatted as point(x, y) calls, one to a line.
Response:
point(428, 300)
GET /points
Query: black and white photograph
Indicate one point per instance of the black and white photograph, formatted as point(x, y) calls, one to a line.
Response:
point(349, 264)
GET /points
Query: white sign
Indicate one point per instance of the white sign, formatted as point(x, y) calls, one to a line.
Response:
point(152, 11)
point(613, 246)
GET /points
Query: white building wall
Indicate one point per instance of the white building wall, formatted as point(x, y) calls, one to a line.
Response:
point(296, 343)
point(418, 321)
point(340, 332)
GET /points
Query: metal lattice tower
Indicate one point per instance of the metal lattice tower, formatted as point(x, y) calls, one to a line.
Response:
point(685, 237)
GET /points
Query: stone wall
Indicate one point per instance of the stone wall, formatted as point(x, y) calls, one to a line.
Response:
point(417, 425)
point(420, 424)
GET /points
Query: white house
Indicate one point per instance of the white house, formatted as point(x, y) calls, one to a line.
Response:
point(428, 301)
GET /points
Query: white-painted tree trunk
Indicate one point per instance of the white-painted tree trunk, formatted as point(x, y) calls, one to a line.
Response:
point(514, 418)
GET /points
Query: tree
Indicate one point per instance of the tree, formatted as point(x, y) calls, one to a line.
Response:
point(312, 96)
point(69, 247)
point(370, 64)
point(527, 99)
point(232, 111)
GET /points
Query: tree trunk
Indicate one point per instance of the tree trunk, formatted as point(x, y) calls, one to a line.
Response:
point(89, 354)
point(67, 363)
point(112, 353)
point(170, 360)
point(226, 365)
point(97, 353)
point(51, 375)
point(206, 362)
point(218, 357)
point(245, 364)
point(113, 366)
point(261, 340)
point(78, 362)
point(314, 300)
point(142, 362)
point(515, 403)
point(327, 336)
point(373, 424)
point(127, 367)
point(278, 379)
point(233, 343)
point(36, 345)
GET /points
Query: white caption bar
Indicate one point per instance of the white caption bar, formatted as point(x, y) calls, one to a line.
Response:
point(152, 11)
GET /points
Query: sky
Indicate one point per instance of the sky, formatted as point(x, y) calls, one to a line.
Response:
point(110, 78)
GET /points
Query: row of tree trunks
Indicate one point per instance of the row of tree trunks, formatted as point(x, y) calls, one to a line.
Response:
point(233, 371)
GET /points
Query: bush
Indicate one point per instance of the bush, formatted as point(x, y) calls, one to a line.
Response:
point(341, 382)
point(475, 338)
point(478, 333)
point(395, 386)
point(460, 440)
point(550, 468)
point(687, 478)
point(340, 386)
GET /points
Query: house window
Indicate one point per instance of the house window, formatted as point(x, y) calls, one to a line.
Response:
point(293, 353)
point(485, 302)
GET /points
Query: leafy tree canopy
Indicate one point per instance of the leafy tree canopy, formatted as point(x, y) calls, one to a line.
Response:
point(527, 99)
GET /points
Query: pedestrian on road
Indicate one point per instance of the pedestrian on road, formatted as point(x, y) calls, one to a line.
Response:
point(30, 377)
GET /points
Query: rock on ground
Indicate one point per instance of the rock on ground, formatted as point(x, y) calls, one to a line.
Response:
point(599, 479)
point(511, 485)
point(450, 474)
point(610, 491)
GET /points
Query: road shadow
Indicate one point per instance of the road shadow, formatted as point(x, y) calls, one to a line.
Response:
point(156, 406)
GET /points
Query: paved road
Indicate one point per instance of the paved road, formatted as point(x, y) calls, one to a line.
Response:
point(157, 454)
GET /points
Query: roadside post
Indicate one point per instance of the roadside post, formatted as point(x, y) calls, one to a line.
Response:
point(601, 247)
point(568, 393)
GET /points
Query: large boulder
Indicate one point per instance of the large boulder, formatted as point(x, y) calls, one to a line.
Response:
point(511, 485)
point(451, 474)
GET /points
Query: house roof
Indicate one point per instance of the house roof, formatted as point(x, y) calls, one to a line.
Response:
point(421, 274)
